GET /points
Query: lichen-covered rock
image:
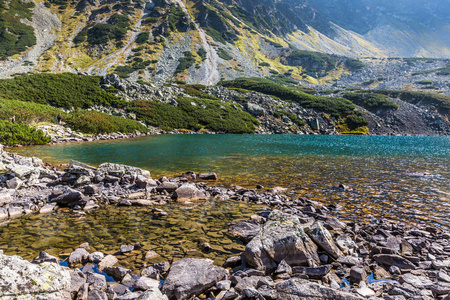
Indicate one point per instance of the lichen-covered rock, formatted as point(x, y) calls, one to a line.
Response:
point(24, 280)
point(191, 276)
point(282, 237)
point(17, 170)
point(121, 170)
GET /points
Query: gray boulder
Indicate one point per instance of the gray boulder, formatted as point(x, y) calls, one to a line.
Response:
point(108, 261)
point(96, 281)
point(394, 260)
point(255, 109)
point(14, 183)
point(80, 169)
point(118, 273)
point(96, 257)
point(66, 196)
point(191, 276)
point(97, 295)
point(44, 257)
point(322, 237)
point(245, 230)
point(3, 214)
point(167, 186)
point(299, 289)
point(20, 171)
point(78, 256)
point(208, 176)
point(77, 280)
point(20, 279)
point(5, 197)
point(188, 192)
point(282, 237)
point(120, 170)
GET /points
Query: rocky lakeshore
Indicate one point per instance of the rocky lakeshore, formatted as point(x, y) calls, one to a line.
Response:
point(296, 249)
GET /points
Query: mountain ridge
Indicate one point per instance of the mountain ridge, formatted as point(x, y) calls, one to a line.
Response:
point(224, 39)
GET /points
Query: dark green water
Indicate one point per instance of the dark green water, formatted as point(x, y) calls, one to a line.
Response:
point(400, 178)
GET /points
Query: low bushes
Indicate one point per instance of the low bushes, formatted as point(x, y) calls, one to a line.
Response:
point(336, 107)
point(371, 101)
point(27, 112)
point(194, 114)
point(440, 102)
point(15, 36)
point(355, 121)
point(97, 122)
point(185, 62)
point(21, 133)
point(59, 90)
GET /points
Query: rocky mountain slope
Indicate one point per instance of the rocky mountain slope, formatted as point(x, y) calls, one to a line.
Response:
point(201, 41)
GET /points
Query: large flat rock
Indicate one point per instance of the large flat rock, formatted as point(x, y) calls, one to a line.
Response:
point(281, 238)
point(301, 289)
point(191, 276)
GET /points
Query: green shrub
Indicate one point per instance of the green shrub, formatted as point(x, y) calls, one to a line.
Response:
point(204, 114)
point(224, 54)
point(425, 82)
point(312, 60)
point(21, 133)
point(175, 17)
point(440, 102)
point(185, 62)
point(216, 35)
point(15, 37)
point(59, 90)
point(142, 37)
point(97, 122)
point(355, 121)
point(124, 71)
point(194, 91)
point(334, 106)
point(291, 116)
point(27, 112)
point(354, 64)
point(371, 101)
point(202, 53)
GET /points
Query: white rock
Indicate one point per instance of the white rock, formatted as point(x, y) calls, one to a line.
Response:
point(14, 183)
point(20, 279)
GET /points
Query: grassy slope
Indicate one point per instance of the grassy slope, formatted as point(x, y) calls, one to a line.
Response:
point(35, 92)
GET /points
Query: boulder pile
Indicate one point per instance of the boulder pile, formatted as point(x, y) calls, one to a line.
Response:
point(294, 250)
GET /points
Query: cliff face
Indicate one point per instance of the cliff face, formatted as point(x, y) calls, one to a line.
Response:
point(201, 41)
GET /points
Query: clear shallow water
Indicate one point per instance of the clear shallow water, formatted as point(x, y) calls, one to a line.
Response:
point(384, 172)
point(180, 234)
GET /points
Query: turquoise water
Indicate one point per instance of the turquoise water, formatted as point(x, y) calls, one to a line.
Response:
point(402, 178)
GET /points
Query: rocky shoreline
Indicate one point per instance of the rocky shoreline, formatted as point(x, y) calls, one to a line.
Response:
point(295, 249)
